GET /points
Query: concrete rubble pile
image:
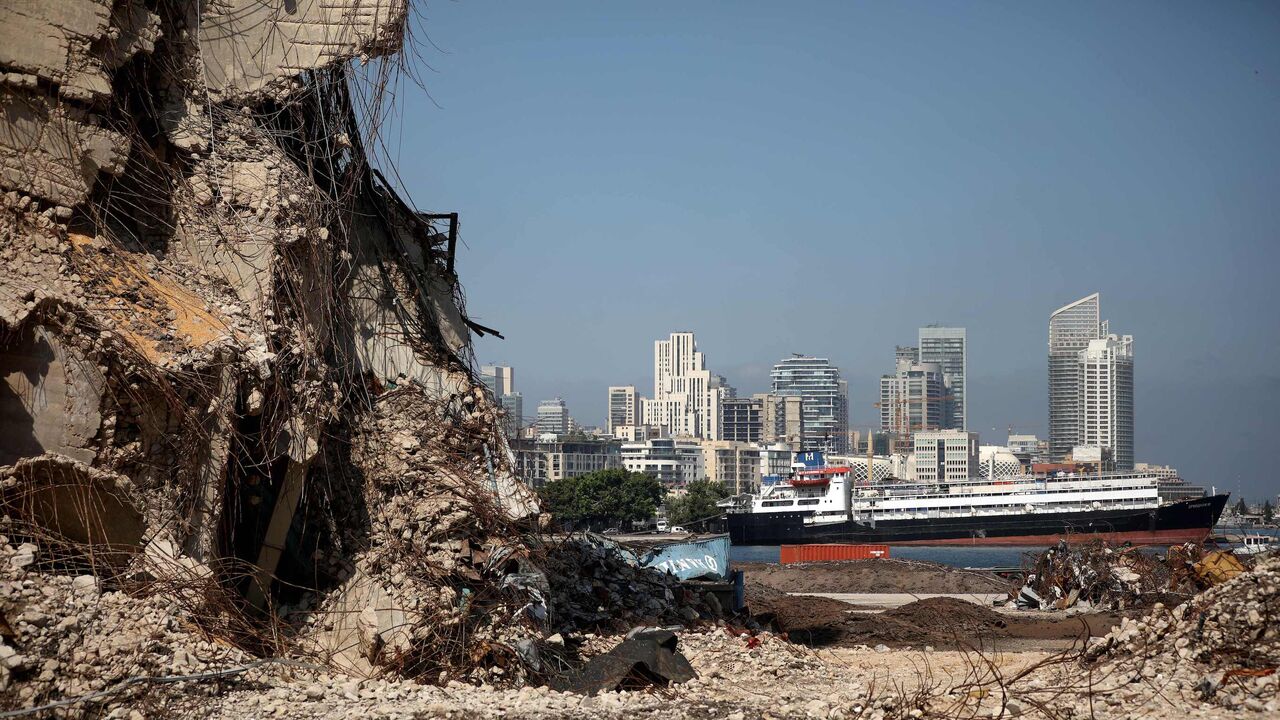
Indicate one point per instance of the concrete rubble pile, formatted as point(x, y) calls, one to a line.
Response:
point(236, 393)
point(1220, 648)
point(73, 637)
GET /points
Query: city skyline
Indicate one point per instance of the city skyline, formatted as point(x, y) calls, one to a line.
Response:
point(1098, 339)
point(980, 180)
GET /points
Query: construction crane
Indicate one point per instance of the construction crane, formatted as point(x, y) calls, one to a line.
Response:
point(901, 412)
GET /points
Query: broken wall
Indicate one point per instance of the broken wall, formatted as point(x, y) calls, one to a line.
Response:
point(213, 303)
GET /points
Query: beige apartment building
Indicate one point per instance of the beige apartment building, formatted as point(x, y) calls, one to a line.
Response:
point(734, 464)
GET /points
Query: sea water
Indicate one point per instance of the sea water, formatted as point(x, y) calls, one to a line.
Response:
point(985, 556)
point(957, 556)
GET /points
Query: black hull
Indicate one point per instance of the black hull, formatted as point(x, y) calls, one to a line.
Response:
point(1183, 521)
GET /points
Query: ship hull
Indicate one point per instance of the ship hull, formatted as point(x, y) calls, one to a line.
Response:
point(1179, 522)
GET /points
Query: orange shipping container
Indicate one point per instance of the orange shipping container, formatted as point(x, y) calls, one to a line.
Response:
point(828, 553)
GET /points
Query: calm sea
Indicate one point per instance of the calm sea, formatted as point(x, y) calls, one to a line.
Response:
point(955, 556)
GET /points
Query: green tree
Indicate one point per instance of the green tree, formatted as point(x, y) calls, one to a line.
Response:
point(602, 499)
point(1268, 512)
point(697, 503)
point(1242, 508)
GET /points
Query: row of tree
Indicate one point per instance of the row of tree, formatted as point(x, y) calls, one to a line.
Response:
point(617, 498)
point(1268, 512)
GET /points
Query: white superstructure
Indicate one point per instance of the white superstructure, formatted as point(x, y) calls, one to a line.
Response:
point(833, 497)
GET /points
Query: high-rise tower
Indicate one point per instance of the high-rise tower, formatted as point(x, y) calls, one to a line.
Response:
point(1090, 383)
point(947, 346)
point(686, 396)
point(1106, 397)
point(1071, 328)
point(624, 407)
point(825, 395)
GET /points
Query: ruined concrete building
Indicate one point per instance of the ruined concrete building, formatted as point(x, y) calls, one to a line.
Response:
point(233, 359)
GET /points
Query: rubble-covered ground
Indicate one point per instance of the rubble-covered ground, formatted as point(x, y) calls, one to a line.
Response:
point(1212, 657)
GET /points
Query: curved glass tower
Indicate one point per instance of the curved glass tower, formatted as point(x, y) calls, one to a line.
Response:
point(1071, 328)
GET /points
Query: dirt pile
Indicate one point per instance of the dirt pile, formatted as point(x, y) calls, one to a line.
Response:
point(938, 622)
point(876, 576)
point(811, 621)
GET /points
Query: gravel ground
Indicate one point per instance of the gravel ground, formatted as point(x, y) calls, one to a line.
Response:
point(1212, 657)
point(775, 680)
point(877, 576)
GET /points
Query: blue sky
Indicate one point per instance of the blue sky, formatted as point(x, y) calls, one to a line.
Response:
point(826, 177)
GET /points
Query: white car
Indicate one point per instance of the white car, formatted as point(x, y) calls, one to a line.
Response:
point(676, 529)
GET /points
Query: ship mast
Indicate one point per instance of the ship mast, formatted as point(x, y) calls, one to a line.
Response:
point(870, 454)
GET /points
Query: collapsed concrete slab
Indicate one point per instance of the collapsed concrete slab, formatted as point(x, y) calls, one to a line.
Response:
point(55, 41)
point(250, 46)
point(80, 507)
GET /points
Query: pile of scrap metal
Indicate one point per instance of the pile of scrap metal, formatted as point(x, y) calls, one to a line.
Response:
point(1191, 566)
point(1102, 576)
point(1094, 574)
point(599, 585)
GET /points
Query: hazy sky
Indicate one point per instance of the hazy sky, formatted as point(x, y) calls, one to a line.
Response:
point(825, 178)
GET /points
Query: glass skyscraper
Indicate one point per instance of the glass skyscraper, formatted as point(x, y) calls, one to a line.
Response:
point(825, 401)
point(1071, 328)
point(948, 347)
point(1090, 383)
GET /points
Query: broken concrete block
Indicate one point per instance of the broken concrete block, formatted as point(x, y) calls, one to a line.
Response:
point(134, 29)
point(249, 46)
point(25, 556)
point(49, 398)
point(75, 503)
point(52, 40)
point(250, 184)
point(54, 152)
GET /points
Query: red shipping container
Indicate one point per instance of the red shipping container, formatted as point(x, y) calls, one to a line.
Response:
point(828, 553)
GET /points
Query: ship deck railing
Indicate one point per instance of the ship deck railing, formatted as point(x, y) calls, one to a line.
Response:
point(1094, 479)
point(1003, 489)
point(977, 498)
point(991, 510)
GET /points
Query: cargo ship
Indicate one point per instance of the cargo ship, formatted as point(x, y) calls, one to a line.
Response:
point(827, 505)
